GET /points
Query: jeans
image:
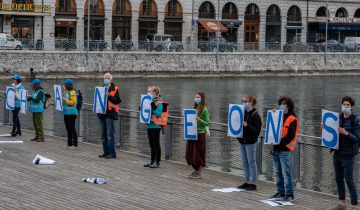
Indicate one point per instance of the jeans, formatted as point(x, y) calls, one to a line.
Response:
point(154, 141)
point(38, 124)
point(16, 121)
point(284, 181)
point(248, 157)
point(344, 169)
point(71, 130)
point(108, 136)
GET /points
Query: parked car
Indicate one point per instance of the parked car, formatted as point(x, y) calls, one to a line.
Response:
point(158, 42)
point(9, 42)
point(352, 44)
point(212, 45)
point(296, 47)
point(332, 46)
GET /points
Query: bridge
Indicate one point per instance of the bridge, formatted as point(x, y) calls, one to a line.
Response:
point(129, 185)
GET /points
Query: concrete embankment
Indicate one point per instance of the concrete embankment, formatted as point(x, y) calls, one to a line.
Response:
point(61, 64)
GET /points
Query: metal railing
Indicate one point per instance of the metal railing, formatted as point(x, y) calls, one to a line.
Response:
point(178, 46)
point(311, 163)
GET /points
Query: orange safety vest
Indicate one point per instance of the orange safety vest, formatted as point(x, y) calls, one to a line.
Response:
point(285, 131)
point(112, 106)
point(162, 121)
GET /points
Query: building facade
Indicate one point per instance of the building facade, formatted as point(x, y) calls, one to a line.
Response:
point(252, 24)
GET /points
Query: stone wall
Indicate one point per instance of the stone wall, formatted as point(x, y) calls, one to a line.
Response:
point(65, 64)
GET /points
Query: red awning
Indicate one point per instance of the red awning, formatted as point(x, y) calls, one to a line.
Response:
point(212, 26)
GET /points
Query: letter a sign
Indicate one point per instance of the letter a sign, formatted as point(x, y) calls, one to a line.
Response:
point(330, 133)
point(274, 124)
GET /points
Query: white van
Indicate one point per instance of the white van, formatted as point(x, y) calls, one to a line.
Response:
point(352, 43)
point(9, 42)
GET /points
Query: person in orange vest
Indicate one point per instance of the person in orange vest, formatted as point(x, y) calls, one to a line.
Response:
point(282, 153)
point(158, 120)
point(107, 120)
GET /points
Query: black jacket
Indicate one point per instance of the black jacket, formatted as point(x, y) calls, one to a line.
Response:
point(253, 128)
point(291, 135)
point(115, 100)
point(349, 145)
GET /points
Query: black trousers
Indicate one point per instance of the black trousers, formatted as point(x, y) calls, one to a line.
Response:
point(344, 169)
point(15, 119)
point(71, 130)
point(154, 141)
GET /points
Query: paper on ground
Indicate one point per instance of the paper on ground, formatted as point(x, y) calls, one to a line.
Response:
point(5, 135)
point(40, 160)
point(227, 190)
point(11, 142)
point(276, 202)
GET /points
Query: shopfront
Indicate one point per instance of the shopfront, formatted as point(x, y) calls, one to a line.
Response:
point(148, 19)
point(251, 27)
point(65, 20)
point(22, 27)
point(273, 28)
point(231, 21)
point(121, 20)
point(294, 25)
point(207, 24)
point(97, 20)
point(173, 19)
point(1, 23)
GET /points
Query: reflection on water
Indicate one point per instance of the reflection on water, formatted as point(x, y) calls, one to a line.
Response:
point(310, 94)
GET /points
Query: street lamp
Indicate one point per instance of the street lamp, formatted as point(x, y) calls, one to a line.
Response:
point(218, 35)
point(326, 33)
point(88, 32)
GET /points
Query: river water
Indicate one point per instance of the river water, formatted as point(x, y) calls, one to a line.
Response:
point(310, 94)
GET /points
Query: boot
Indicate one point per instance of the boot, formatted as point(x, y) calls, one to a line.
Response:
point(18, 132)
point(41, 139)
point(35, 139)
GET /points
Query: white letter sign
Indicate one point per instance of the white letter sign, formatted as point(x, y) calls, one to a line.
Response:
point(145, 109)
point(274, 124)
point(190, 124)
point(58, 97)
point(235, 120)
point(330, 133)
point(23, 100)
point(100, 100)
point(10, 98)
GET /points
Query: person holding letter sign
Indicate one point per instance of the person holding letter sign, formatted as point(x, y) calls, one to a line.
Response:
point(17, 79)
point(107, 120)
point(70, 112)
point(344, 157)
point(159, 117)
point(281, 153)
point(252, 129)
point(37, 100)
point(195, 150)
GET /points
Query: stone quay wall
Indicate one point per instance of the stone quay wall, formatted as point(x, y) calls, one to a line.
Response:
point(136, 64)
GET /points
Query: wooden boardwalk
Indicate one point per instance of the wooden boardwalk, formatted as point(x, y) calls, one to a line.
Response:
point(130, 185)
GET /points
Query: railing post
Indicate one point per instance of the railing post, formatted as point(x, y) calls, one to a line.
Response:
point(259, 155)
point(226, 155)
point(168, 141)
point(77, 124)
point(296, 164)
point(121, 132)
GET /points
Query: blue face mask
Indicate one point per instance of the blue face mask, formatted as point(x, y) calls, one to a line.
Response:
point(246, 105)
point(282, 107)
point(107, 81)
point(346, 110)
point(197, 100)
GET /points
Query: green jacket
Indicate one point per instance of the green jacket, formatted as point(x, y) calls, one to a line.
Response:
point(157, 112)
point(204, 120)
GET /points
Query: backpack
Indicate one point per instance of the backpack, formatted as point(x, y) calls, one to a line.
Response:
point(79, 100)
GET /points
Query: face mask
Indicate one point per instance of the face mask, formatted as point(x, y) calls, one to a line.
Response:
point(282, 107)
point(149, 93)
point(13, 84)
point(197, 100)
point(246, 105)
point(345, 110)
point(107, 81)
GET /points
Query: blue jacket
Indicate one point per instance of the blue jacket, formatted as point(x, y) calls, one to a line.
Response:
point(349, 145)
point(157, 112)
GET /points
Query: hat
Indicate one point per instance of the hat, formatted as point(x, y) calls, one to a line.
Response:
point(36, 82)
point(68, 82)
point(16, 77)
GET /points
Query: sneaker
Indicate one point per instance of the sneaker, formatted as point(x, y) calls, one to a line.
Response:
point(289, 198)
point(40, 139)
point(278, 195)
point(35, 139)
point(155, 165)
point(251, 187)
point(110, 157)
point(243, 186)
point(149, 164)
point(339, 207)
point(102, 156)
point(195, 176)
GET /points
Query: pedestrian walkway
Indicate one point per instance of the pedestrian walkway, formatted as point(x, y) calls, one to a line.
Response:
point(130, 185)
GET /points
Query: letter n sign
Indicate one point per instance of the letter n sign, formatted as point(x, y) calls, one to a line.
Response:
point(100, 100)
point(274, 123)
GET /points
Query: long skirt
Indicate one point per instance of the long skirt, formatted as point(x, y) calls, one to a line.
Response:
point(195, 152)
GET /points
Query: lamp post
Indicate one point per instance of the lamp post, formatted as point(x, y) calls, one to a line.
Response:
point(218, 35)
point(326, 34)
point(192, 26)
point(88, 32)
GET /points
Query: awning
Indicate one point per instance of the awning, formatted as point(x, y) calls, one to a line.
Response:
point(340, 27)
point(25, 13)
point(231, 23)
point(212, 26)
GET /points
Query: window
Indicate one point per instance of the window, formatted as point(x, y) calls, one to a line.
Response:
point(173, 9)
point(273, 13)
point(65, 7)
point(321, 12)
point(121, 8)
point(341, 12)
point(148, 8)
point(230, 11)
point(206, 10)
point(96, 7)
point(294, 14)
